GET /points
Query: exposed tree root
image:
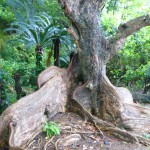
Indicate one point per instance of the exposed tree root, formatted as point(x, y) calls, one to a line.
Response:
point(48, 74)
point(56, 144)
point(25, 118)
point(31, 140)
point(50, 140)
point(105, 126)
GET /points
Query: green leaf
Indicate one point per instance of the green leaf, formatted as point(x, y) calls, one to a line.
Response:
point(51, 129)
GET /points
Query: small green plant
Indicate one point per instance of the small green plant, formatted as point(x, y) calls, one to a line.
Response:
point(51, 128)
point(146, 136)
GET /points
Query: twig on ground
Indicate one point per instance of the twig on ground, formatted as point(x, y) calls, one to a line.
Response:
point(31, 144)
point(75, 126)
point(39, 142)
point(35, 148)
point(99, 129)
point(32, 138)
point(79, 132)
point(45, 146)
point(56, 144)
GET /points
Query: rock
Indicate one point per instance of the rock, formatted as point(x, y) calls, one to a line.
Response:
point(125, 95)
point(71, 139)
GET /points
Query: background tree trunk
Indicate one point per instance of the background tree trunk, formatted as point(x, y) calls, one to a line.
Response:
point(48, 61)
point(56, 43)
point(3, 98)
point(39, 53)
point(18, 87)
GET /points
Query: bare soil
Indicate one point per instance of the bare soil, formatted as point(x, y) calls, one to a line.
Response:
point(91, 138)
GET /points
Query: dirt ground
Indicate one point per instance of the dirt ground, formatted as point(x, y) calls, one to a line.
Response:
point(91, 138)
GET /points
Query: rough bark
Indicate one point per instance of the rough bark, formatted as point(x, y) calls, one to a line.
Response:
point(26, 117)
point(103, 99)
point(84, 85)
point(22, 121)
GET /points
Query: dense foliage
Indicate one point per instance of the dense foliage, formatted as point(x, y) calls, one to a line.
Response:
point(131, 67)
point(32, 26)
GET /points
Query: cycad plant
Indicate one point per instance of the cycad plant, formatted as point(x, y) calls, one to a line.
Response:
point(41, 32)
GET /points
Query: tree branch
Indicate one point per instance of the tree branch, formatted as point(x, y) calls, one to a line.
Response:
point(128, 28)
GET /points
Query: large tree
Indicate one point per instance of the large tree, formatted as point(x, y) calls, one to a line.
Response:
point(84, 86)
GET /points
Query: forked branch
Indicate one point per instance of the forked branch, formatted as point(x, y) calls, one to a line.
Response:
point(128, 28)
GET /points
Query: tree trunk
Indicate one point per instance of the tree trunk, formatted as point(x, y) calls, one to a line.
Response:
point(84, 86)
point(94, 53)
point(110, 103)
point(48, 61)
point(39, 52)
point(18, 87)
point(3, 98)
point(56, 43)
